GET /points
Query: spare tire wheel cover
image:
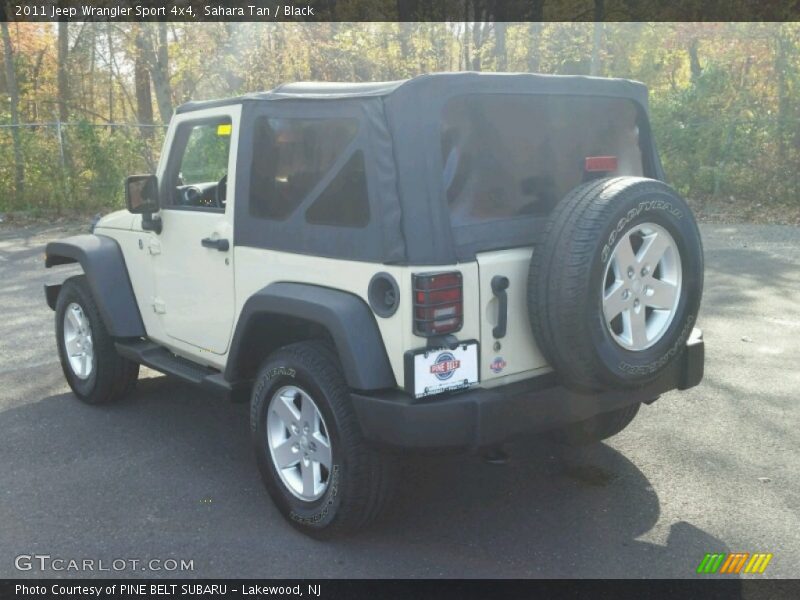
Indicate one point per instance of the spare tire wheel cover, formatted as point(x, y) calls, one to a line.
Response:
point(619, 283)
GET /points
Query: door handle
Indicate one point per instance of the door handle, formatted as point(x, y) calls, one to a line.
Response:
point(220, 244)
point(499, 286)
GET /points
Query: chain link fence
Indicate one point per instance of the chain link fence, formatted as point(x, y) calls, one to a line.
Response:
point(73, 167)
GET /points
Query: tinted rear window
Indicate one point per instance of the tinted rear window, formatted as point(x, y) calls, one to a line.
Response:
point(513, 155)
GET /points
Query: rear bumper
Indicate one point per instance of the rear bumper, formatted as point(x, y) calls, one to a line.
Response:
point(483, 417)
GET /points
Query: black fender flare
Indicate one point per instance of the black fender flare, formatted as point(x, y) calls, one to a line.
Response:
point(346, 317)
point(104, 265)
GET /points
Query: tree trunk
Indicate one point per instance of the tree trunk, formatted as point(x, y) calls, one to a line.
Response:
point(597, 37)
point(93, 60)
point(63, 80)
point(157, 57)
point(405, 36)
point(534, 46)
point(467, 57)
point(694, 60)
point(144, 98)
point(478, 38)
point(13, 94)
point(110, 74)
point(161, 80)
point(783, 100)
point(500, 51)
point(37, 69)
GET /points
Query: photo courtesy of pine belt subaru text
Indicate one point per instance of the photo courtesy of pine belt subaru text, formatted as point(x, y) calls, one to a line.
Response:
point(437, 264)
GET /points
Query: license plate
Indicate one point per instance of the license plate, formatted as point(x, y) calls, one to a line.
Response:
point(440, 370)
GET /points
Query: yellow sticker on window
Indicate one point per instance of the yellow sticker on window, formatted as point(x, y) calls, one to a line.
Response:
point(224, 129)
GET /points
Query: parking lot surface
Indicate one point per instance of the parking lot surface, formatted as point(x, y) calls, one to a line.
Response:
point(169, 474)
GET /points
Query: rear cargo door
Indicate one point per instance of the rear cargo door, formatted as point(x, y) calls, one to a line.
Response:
point(511, 350)
point(507, 160)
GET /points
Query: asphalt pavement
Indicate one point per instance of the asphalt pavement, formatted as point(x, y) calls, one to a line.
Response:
point(168, 473)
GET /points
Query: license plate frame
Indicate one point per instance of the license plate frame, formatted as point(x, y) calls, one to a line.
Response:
point(460, 369)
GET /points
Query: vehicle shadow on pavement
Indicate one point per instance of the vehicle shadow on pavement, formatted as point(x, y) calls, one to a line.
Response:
point(551, 511)
point(170, 471)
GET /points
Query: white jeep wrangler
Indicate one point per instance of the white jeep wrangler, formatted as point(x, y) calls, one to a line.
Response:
point(439, 263)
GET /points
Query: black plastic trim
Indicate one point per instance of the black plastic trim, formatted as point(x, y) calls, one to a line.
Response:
point(346, 318)
point(378, 304)
point(105, 269)
point(481, 417)
point(162, 360)
point(51, 294)
point(692, 374)
point(499, 286)
point(220, 244)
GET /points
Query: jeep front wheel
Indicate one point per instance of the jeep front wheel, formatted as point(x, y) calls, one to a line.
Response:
point(316, 466)
point(91, 365)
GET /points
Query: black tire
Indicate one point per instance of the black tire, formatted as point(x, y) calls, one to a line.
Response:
point(597, 428)
point(568, 271)
point(111, 376)
point(359, 483)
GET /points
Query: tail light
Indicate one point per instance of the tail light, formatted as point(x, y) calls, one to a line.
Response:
point(600, 164)
point(438, 303)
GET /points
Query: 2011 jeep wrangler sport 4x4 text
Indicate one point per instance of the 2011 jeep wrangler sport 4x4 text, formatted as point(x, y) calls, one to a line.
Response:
point(438, 263)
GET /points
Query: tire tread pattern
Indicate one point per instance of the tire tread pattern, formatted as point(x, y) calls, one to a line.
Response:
point(368, 483)
point(115, 376)
point(561, 267)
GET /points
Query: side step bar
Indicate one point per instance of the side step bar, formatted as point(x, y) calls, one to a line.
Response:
point(160, 359)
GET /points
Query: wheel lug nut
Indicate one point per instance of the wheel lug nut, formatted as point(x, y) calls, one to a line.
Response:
point(636, 303)
point(631, 272)
point(645, 271)
point(626, 294)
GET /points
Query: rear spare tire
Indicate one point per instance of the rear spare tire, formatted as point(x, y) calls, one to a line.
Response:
point(615, 283)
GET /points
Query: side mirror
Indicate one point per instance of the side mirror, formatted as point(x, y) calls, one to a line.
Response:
point(141, 198)
point(141, 194)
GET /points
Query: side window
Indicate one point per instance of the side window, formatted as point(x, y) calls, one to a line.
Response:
point(199, 180)
point(290, 157)
point(344, 202)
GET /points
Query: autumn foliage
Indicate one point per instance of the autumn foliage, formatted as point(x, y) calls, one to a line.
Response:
point(724, 96)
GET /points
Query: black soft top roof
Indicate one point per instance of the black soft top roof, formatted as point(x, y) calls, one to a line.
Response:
point(434, 84)
point(400, 140)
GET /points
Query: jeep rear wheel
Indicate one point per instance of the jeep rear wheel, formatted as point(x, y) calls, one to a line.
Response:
point(319, 471)
point(91, 365)
point(615, 284)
